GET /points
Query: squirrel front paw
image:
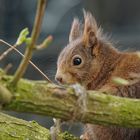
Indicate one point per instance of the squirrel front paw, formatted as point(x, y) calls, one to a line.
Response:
point(56, 129)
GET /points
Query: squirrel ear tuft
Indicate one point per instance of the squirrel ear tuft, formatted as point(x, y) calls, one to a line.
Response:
point(75, 30)
point(90, 30)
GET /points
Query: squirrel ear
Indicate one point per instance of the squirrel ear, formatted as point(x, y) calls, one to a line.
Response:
point(75, 30)
point(90, 30)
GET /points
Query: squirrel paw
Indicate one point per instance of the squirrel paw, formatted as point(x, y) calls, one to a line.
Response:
point(82, 96)
point(54, 130)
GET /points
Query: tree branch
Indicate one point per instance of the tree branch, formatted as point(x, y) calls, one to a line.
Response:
point(39, 97)
point(12, 129)
point(35, 33)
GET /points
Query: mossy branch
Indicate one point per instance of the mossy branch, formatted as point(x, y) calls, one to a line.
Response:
point(39, 97)
point(17, 129)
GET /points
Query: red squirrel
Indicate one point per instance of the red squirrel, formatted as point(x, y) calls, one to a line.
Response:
point(92, 60)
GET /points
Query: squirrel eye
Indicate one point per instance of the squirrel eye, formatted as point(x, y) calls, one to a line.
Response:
point(77, 61)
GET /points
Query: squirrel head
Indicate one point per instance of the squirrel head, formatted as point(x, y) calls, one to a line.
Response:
point(81, 59)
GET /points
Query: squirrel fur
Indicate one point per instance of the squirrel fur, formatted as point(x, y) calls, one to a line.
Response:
point(92, 60)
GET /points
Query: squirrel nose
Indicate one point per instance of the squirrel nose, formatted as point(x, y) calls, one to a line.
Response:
point(59, 79)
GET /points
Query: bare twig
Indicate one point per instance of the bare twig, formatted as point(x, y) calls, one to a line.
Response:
point(34, 36)
point(5, 95)
point(45, 43)
point(3, 55)
point(12, 47)
point(7, 68)
point(21, 39)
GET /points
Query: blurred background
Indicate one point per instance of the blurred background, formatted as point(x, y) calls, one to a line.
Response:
point(120, 19)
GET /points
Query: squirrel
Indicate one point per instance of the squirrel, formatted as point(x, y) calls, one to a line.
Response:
point(92, 60)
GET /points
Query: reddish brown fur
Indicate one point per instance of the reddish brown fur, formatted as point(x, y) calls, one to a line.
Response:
point(100, 63)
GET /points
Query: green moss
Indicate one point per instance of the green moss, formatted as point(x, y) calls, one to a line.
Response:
point(68, 136)
point(17, 129)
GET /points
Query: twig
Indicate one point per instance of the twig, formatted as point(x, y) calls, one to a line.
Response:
point(45, 43)
point(5, 95)
point(7, 68)
point(13, 48)
point(3, 55)
point(21, 39)
point(34, 36)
